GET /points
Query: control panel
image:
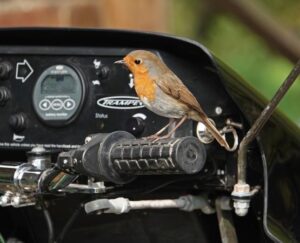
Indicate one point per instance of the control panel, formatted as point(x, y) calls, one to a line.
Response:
point(55, 94)
point(57, 100)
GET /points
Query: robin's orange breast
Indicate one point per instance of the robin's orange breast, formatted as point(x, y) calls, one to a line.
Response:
point(144, 86)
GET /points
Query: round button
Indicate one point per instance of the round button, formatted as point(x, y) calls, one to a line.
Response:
point(103, 73)
point(4, 95)
point(69, 104)
point(135, 126)
point(5, 69)
point(45, 104)
point(57, 104)
point(17, 122)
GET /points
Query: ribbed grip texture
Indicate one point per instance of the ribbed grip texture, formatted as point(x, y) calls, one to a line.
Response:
point(172, 156)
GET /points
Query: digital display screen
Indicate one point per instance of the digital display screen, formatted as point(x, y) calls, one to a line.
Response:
point(58, 84)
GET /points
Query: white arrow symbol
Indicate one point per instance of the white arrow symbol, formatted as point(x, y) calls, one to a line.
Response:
point(26, 65)
point(97, 63)
point(131, 80)
point(96, 82)
point(18, 138)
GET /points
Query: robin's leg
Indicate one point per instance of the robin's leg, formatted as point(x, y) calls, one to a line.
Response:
point(156, 135)
point(183, 119)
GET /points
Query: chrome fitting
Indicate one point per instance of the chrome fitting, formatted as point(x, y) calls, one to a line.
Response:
point(6, 199)
point(22, 200)
point(39, 157)
point(241, 196)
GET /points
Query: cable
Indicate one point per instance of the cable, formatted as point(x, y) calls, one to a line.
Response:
point(161, 186)
point(68, 224)
point(49, 222)
point(266, 193)
point(207, 177)
point(190, 178)
point(49, 225)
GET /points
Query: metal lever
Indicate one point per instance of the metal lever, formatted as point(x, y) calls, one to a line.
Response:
point(123, 205)
point(241, 191)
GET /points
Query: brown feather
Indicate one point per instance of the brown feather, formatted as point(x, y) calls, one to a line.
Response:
point(173, 86)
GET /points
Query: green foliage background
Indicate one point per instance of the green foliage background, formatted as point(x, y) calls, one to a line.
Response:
point(240, 48)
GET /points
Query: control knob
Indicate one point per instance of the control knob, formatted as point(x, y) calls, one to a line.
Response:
point(103, 72)
point(18, 122)
point(135, 125)
point(5, 69)
point(4, 95)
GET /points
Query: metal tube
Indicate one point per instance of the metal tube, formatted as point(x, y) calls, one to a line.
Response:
point(158, 204)
point(26, 178)
point(7, 178)
point(124, 205)
point(226, 225)
point(19, 177)
point(7, 173)
point(260, 122)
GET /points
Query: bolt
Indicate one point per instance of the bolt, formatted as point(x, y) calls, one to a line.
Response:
point(87, 139)
point(218, 110)
point(38, 149)
point(241, 207)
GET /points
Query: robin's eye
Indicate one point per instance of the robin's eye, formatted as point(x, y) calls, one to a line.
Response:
point(137, 61)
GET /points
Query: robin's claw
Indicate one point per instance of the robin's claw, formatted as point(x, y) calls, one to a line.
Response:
point(151, 138)
point(154, 138)
point(162, 137)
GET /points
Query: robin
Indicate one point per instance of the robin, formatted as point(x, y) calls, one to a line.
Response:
point(164, 93)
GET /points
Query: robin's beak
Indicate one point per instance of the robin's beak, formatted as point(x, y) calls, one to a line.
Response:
point(119, 62)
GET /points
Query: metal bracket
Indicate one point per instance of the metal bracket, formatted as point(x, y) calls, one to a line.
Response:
point(90, 188)
point(205, 137)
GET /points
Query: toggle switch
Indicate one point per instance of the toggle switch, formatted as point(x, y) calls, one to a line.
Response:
point(18, 122)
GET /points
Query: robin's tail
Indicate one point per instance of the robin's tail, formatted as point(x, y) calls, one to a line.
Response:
point(215, 133)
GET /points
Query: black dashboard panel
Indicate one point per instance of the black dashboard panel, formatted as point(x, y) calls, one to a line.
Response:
point(43, 110)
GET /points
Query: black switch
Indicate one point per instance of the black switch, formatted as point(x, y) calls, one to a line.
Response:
point(5, 69)
point(103, 72)
point(4, 95)
point(135, 126)
point(18, 122)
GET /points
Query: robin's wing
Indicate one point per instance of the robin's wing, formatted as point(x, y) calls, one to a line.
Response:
point(170, 84)
point(173, 86)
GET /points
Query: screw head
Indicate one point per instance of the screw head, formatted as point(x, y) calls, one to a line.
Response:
point(218, 110)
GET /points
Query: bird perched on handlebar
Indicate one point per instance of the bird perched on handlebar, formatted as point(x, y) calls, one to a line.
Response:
point(164, 93)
